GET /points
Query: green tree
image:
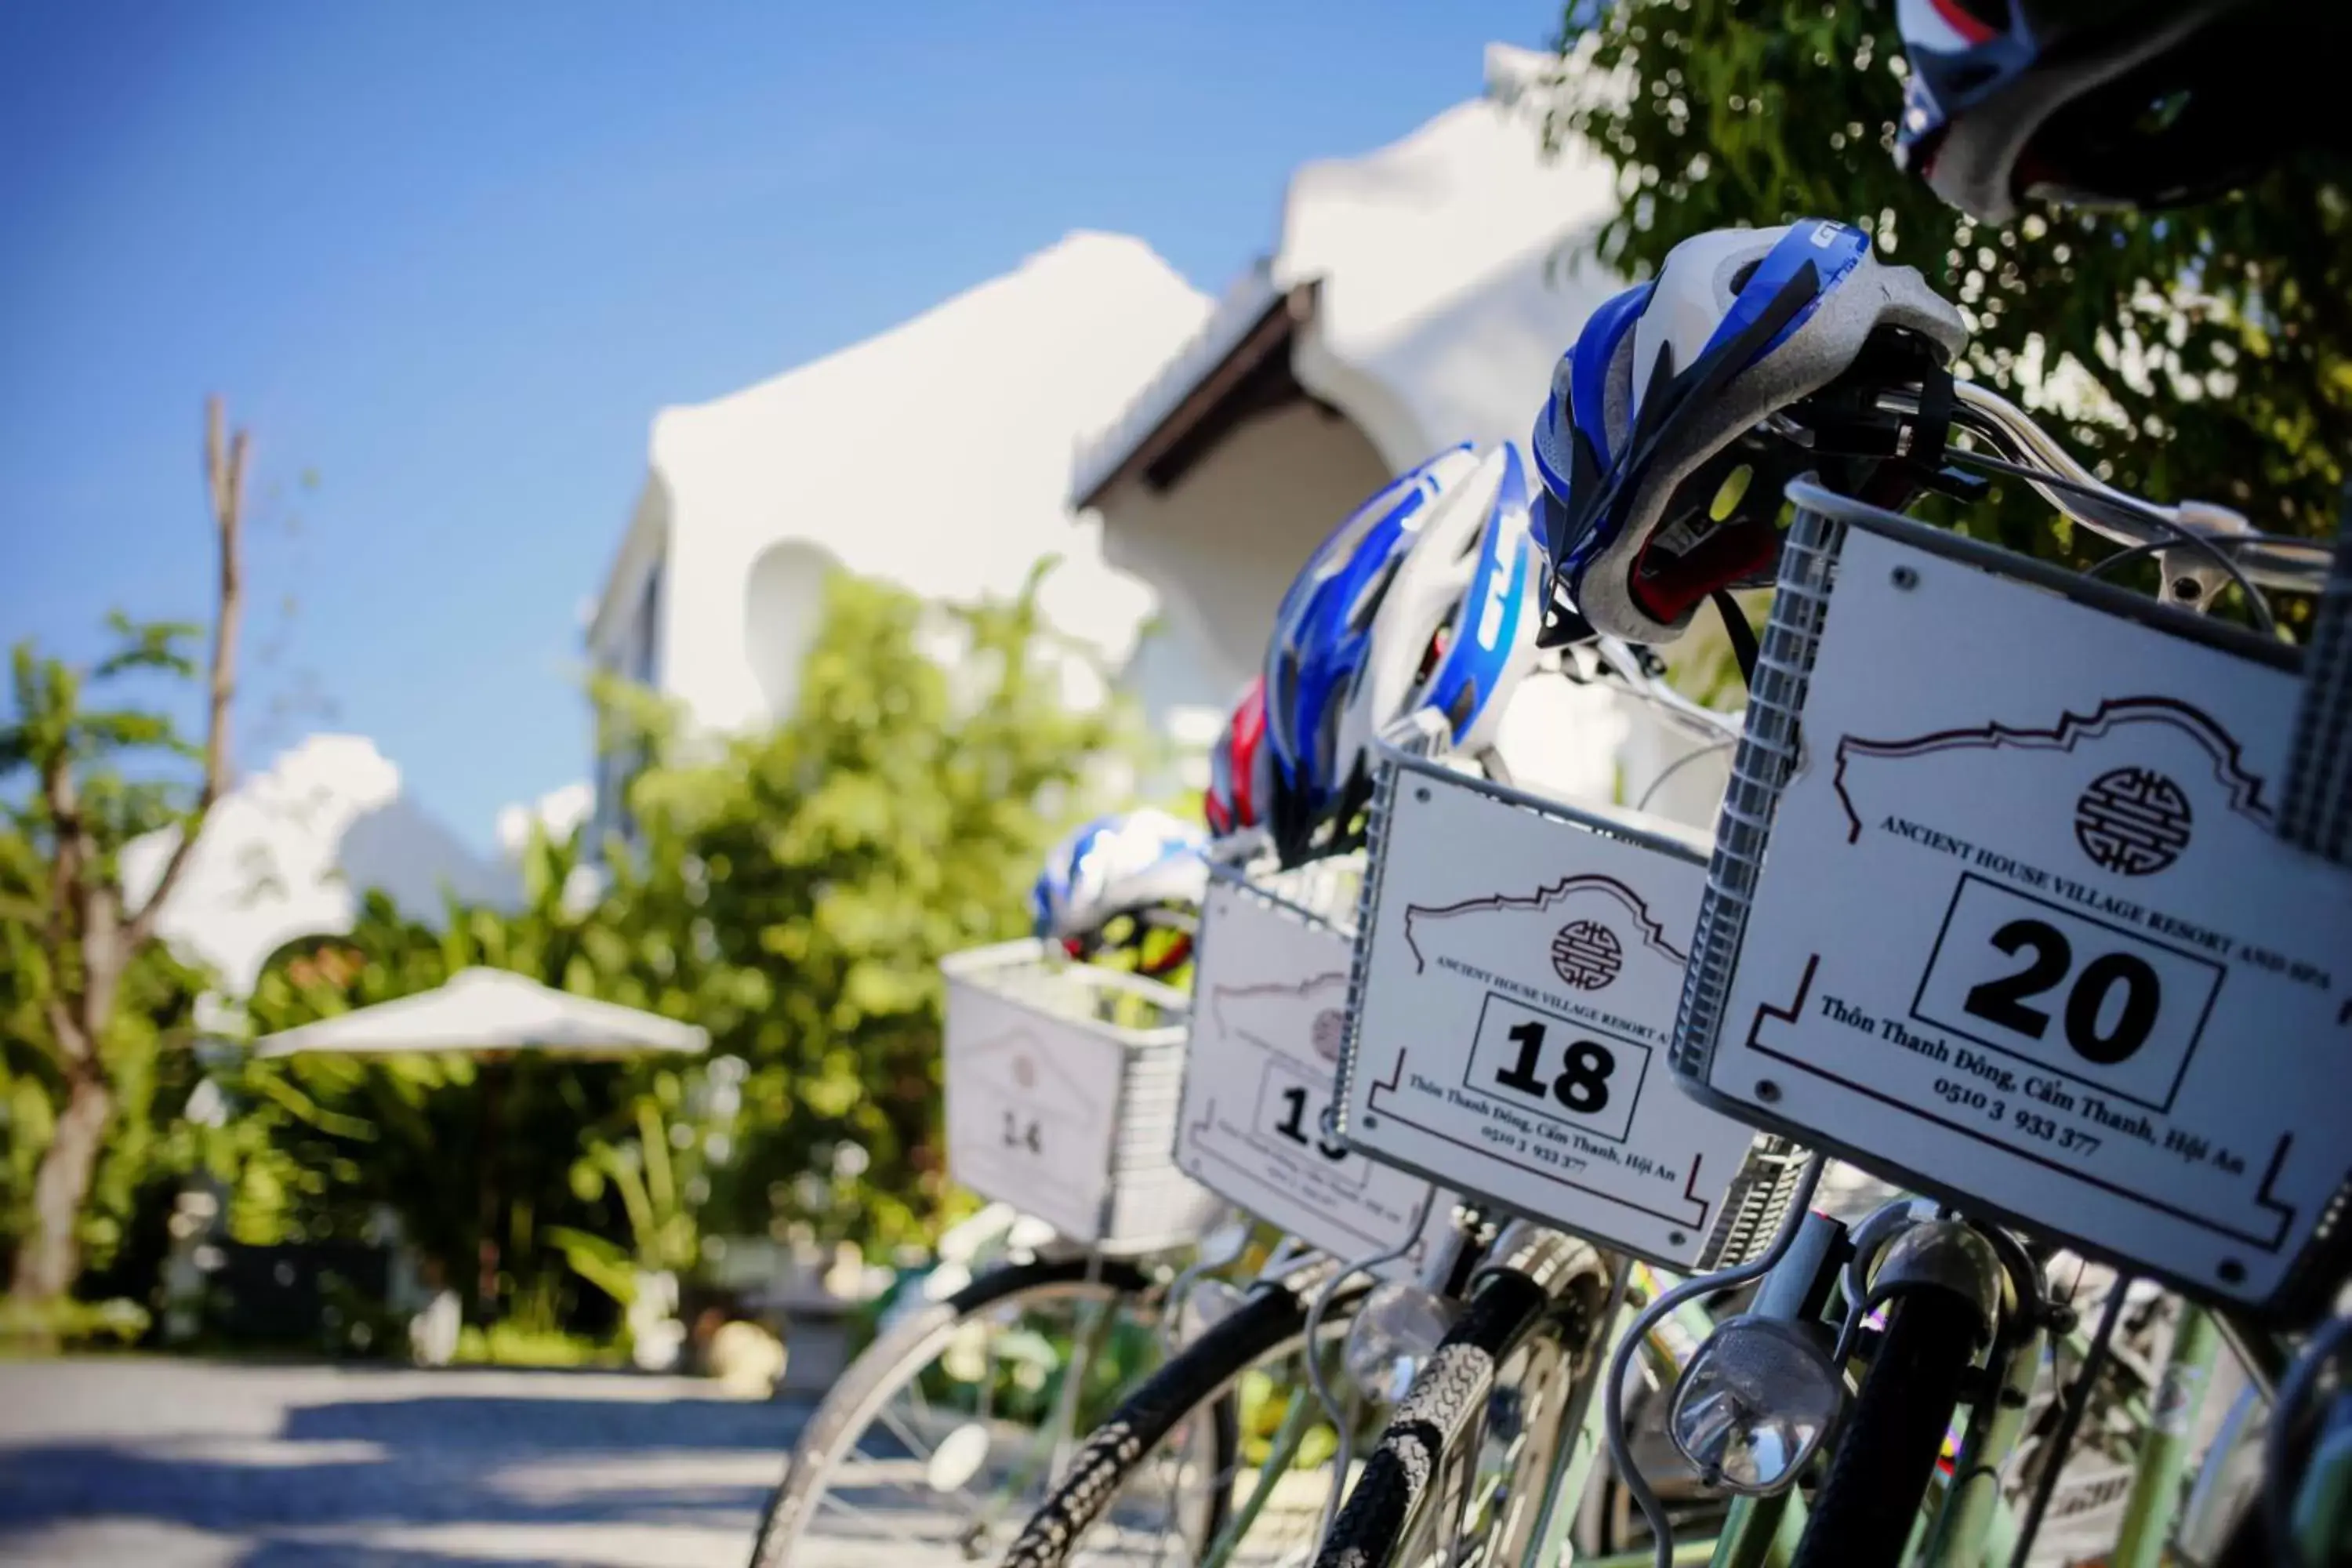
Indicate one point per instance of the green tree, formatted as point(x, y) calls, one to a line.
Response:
point(2204, 351)
point(791, 891)
point(550, 1166)
point(150, 1073)
point(824, 867)
point(102, 776)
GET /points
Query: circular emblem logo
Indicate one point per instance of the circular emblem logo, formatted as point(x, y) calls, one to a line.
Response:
point(1586, 954)
point(1330, 1029)
point(2132, 820)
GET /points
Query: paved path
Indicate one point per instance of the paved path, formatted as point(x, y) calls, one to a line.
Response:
point(177, 1464)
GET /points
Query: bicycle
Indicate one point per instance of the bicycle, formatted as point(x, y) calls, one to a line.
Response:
point(1272, 957)
point(952, 1422)
point(1884, 1465)
point(1948, 1340)
point(1538, 1383)
point(964, 1404)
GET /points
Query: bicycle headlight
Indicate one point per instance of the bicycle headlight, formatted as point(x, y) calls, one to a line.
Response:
point(1754, 1404)
point(1394, 1332)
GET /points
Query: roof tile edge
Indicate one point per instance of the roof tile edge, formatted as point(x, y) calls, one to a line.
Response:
point(1099, 456)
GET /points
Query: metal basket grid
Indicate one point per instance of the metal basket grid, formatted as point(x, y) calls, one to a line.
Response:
point(1325, 894)
point(2316, 809)
point(1765, 756)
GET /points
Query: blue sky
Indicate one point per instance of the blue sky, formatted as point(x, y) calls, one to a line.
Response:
point(450, 259)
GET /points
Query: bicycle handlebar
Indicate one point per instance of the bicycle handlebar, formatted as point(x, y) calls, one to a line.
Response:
point(2272, 561)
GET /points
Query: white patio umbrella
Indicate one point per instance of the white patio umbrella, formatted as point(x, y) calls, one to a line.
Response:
point(496, 1014)
point(491, 1012)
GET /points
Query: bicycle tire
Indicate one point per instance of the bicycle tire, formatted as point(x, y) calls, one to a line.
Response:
point(884, 1365)
point(1203, 1371)
point(1444, 1406)
point(1863, 1514)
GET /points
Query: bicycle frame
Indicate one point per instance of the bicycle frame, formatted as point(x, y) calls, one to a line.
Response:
point(1965, 1521)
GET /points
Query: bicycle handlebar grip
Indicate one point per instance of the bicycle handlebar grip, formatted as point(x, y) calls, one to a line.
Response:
point(1863, 1514)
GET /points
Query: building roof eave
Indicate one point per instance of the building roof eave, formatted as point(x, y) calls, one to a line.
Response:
point(641, 538)
point(1192, 400)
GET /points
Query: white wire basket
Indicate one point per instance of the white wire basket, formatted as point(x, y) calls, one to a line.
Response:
point(1270, 988)
point(1515, 975)
point(1062, 1087)
point(2000, 910)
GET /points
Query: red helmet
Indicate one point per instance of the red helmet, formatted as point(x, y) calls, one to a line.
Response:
point(1241, 768)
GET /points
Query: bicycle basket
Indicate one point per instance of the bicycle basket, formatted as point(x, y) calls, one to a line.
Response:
point(1516, 964)
point(1062, 1085)
point(1271, 993)
point(1998, 912)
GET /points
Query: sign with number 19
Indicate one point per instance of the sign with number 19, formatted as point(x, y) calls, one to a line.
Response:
point(1269, 997)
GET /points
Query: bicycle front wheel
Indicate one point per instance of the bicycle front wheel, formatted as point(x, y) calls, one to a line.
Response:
point(1459, 1474)
point(936, 1443)
point(1233, 1417)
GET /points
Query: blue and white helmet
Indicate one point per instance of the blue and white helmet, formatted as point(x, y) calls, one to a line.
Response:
point(1665, 445)
point(1323, 630)
point(1457, 629)
point(1125, 863)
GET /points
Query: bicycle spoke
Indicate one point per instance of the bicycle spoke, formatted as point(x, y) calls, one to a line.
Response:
point(923, 1450)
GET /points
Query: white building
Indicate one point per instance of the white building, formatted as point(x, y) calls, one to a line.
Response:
point(1416, 295)
point(1186, 459)
point(935, 456)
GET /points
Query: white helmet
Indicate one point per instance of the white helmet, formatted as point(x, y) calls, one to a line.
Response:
point(1125, 863)
point(1455, 632)
point(1675, 417)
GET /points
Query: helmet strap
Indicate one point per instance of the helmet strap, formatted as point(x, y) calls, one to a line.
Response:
point(1741, 634)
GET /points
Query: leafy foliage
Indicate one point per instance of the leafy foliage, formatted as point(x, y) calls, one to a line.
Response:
point(147, 1142)
point(63, 722)
point(332, 1143)
point(824, 870)
point(80, 806)
point(2198, 353)
point(791, 891)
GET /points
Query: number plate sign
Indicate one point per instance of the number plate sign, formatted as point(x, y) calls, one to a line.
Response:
point(1518, 983)
point(1269, 1016)
point(2024, 935)
point(1033, 1104)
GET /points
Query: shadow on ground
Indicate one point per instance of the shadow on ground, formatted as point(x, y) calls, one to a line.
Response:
point(545, 1423)
point(439, 1465)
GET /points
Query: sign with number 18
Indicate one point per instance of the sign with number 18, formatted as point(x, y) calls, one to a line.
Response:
point(1520, 980)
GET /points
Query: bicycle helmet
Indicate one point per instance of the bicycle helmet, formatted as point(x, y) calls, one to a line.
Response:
point(1134, 862)
point(1321, 633)
point(1668, 437)
point(1457, 629)
point(2111, 102)
point(1241, 787)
